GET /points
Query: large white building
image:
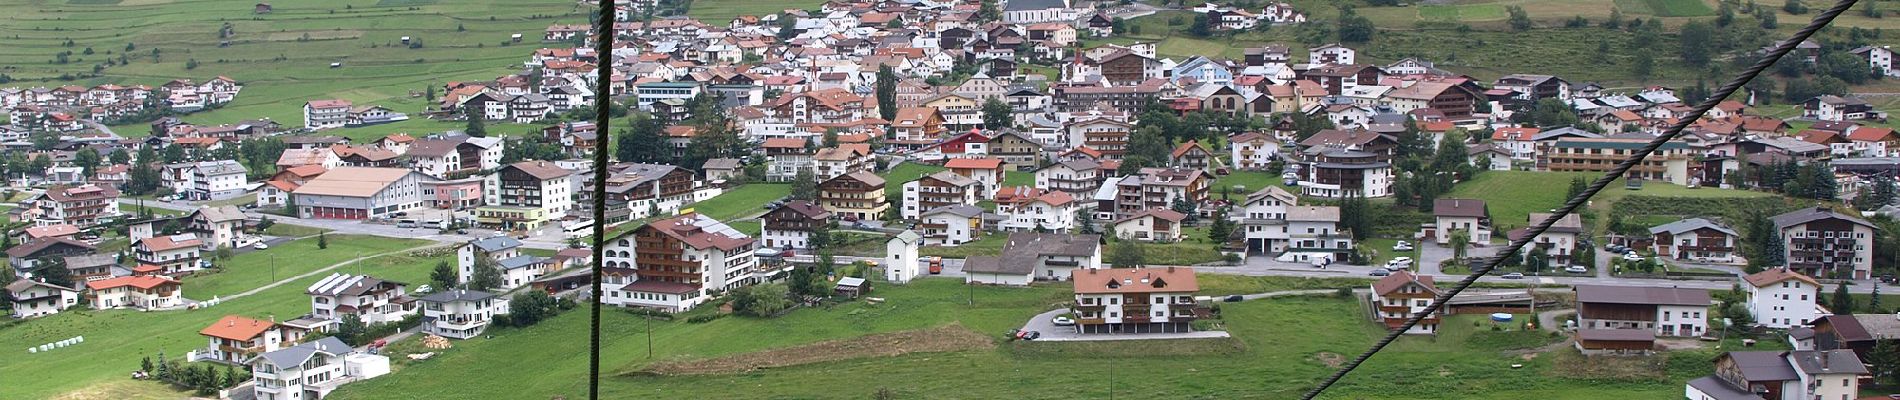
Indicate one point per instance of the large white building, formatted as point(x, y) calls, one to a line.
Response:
point(360, 193)
point(374, 301)
point(1037, 11)
point(504, 254)
point(207, 180)
point(141, 292)
point(526, 195)
point(1662, 311)
point(1782, 299)
point(1030, 256)
point(681, 262)
point(310, 371)
point(460, 313)
point(37, 299)
point(326, 114)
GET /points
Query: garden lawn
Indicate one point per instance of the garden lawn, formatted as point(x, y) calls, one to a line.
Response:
point(1513, 195)
point(117, 339)
point(1018, 178)
point(1247, 182)
point(254, 269)
point(743, 201)
point(904, 173)
point(1277, 352)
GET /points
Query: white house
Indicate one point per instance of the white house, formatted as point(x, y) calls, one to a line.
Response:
point(460, 313)
point(37, 299)
point(211, 180)
point(900, 261)
point(1262, 218)
point(709, 256)
point(1033, 209)
point(1030, 256)
point(951, 225)
point(1790, 375)
point(141, 292)
point(503, 253)
point(1253, 151)
point(374, 301)
point(310, 371)
point(1330, 54)
point(326, 114)
point(1401, 295)
point(1780, 298)
point(171, 254)
point(1150, 225)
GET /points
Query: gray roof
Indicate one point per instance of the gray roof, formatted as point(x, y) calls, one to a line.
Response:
point(220, 167)
point(1028, 5)
point(449, 296)
point(953, 179)
point(222, 213)
point(518, 262)
point(296, 355)
point(495, 243)
point(1690, 224)
point(23, 284)
point(1827, 362)
point(1720, 389)
point(1563, 132)
point(1807, 215)
point(91, 260)
point(961, 210)
point(723, 163)
point(1312, 213)
point(1642, 295)
point(1022, 252)
point(1763, 366)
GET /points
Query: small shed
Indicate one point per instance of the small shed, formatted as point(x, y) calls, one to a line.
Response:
point(1616, 341)
point(852, 287)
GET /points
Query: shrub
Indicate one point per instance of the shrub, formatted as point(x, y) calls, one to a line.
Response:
point(704, 318)
point(1343, 292)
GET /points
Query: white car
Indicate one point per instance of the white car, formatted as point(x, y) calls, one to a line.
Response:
point(1399, 263)
point(1575, 269)
point(1632, 256)
point(1063, 321)
point(1402, 246)
point(260, 246)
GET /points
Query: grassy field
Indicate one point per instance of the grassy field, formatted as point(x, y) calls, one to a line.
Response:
point(283, 58)
point(117, 339)
point(904, 173)
point(1246, 182)
point(1513, 195)
point(251, 270)
point(1273, 356)
point(746, 200)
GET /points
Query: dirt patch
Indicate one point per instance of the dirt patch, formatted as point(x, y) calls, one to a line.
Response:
point(1571, 364)
point(1331, 359)
point(941, 339)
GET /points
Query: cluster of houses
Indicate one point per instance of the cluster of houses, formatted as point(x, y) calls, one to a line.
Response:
point(145, 277)
point(64, 109)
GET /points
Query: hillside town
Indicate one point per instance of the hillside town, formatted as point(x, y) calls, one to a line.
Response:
point(855, 155)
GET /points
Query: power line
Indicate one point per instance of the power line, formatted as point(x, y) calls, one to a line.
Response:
point(1780, 49)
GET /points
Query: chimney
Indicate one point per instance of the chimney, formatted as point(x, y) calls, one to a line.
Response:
point(1170, 269)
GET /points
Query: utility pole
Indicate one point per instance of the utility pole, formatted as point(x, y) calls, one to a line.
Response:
point(649, 336)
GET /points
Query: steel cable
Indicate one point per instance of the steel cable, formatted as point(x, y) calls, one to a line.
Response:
point(1780, 49)
point(603, 114)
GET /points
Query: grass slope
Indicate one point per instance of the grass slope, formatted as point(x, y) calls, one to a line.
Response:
point(1513, 195)
point(117, 339)
point(1275, 355)
point(268, 53)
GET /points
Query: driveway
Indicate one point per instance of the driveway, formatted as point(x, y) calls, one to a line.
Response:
point(1051, 333)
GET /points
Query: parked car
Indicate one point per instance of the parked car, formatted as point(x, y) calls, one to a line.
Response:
point(1514, 275)
point(1575, 269)
point(936, 265)
point(1399, 263)
point(1234, 299)
point(260, 246)
point(1402, 246)
point(1632, 256)
point(1063, 321)
point(1379, 272)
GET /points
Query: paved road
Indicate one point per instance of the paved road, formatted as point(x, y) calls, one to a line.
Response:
point(1044, 323)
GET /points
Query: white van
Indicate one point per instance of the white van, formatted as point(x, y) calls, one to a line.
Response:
point(435, 224)
point(405, 223)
